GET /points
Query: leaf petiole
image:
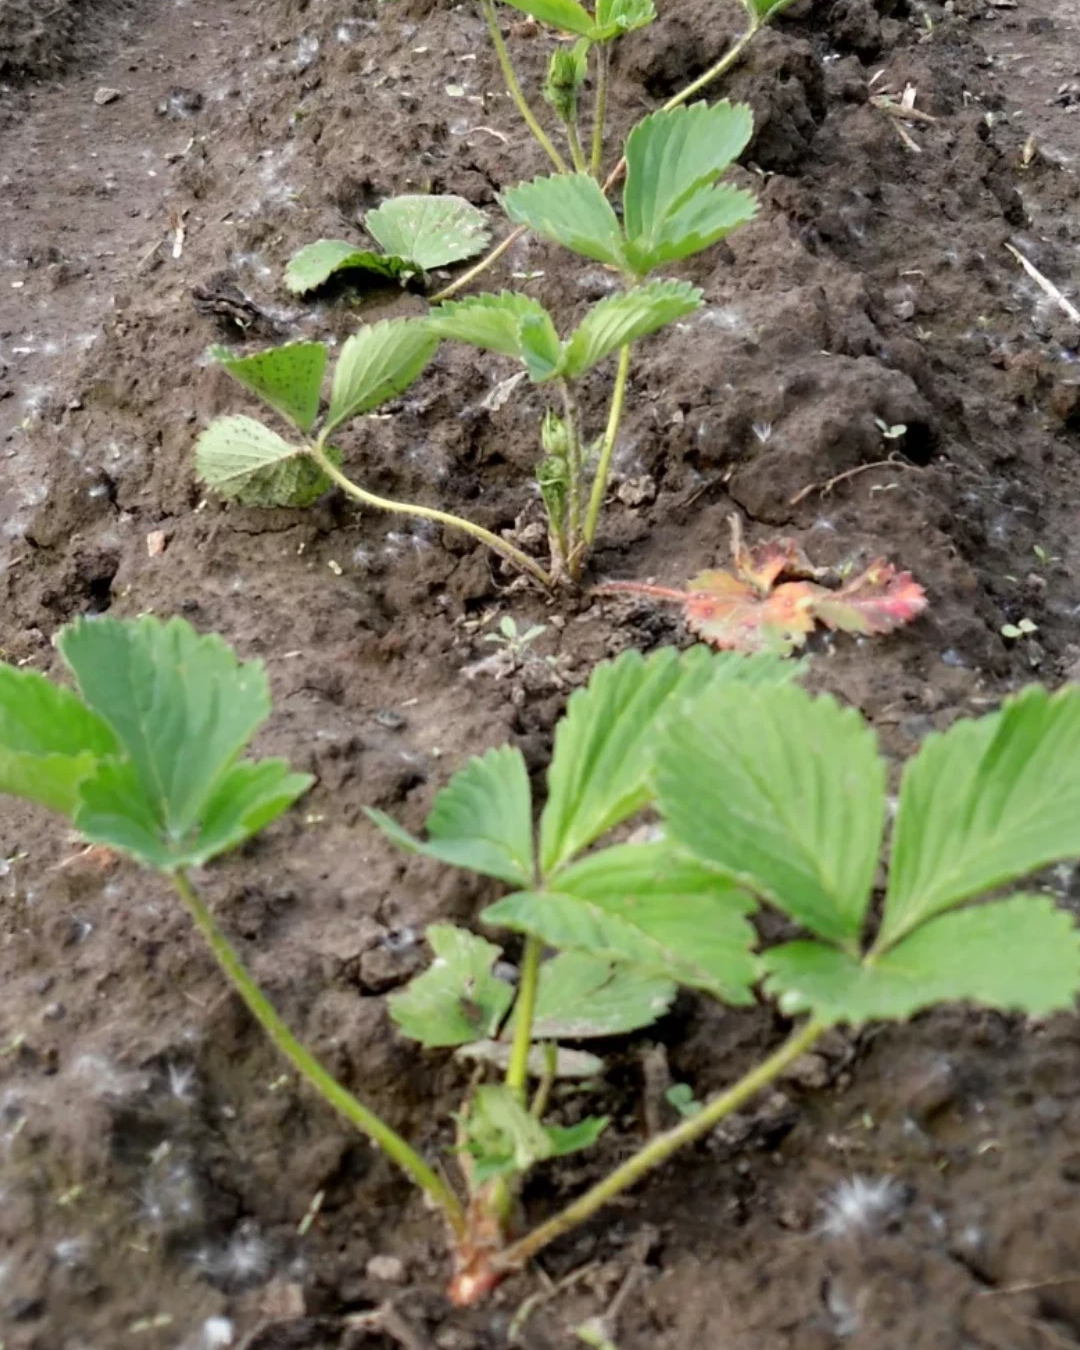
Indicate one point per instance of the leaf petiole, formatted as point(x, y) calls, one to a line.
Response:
point(497, 545)
point(517, 1071)
point(305, 1063)
point(513, 85)
point(603, 59)
point(607, 449)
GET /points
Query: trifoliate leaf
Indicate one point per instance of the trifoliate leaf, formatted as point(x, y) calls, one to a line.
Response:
point(239, 458)
point(603, 746)
point(580, 997)
point(378, 362)
point(568, 1063)
point(568, 209)
point(182, 708)
point(316, 263)
point(645, 906)
point(429, 231)
point(481, 820)
point(492, 322)
point(614, 17)
point(620, 319)
point(567, 16)
point(986, 803)
point(457, 998)
point(288, 378)
point(673, 158)
point(49, 741)
point(783, 792)
point(1020, 954)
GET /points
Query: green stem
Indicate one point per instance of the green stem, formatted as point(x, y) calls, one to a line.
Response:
point(514, 87)
point(517, 1071)
point(729, 58)
point(309, 1067)
point(599, 108)
point(459, 283)
point(547, 1081)
point(607, 449)
point(492, 541)
point(575, 469)
point(577, 154)
point(661, 1148)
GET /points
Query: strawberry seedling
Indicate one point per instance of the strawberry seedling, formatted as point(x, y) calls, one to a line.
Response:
point(766, 797)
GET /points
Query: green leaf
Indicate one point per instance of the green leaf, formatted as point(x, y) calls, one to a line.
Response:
point(783, 792)
point(646, 906)
point(672, 160)
point(988, 802)
point(710, 215)
point(288, 378)
point(492, 322)
point(1022, 953)
point(501, 1136)
point(541, 349)
point(614, 17)
point(377, 363)
point(568, 209)
point(625, 318)
point(567, 16)
point(183, 708)
point(481, 820)
point(316, 263)
point(573, 1138)
point(429, 231)
point(49, 742)
point(240, 459)
point(580, 997)
point(603, 746)
point(457, 998)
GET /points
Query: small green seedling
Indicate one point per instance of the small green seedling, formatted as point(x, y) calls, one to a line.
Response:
point(681, 1097)
point(1015, 631)
point(891, 433)
point(417, 233)
point(512, 638)
point(765, 796)
point(673, 208)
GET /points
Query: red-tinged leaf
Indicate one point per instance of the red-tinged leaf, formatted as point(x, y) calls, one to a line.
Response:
point(762, 565)
point(879, 600)
point(733, 614)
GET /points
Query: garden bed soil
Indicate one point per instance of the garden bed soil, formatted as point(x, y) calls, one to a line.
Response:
point(159, 1170)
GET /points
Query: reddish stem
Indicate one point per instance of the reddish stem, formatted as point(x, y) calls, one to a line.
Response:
point(640, 588)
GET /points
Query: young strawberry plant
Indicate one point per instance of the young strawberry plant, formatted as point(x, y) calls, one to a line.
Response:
point(416, 233)
point(765, 796)
point(673, 207)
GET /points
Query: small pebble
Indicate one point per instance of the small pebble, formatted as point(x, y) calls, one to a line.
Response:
point(106, 95)
point(387, 1269)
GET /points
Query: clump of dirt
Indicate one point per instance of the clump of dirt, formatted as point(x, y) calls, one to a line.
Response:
point(158, 1166)
point(41, 39)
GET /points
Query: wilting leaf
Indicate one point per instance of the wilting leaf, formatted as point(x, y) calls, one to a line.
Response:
point(378, 362)
point(879, 600)
point(457, 999)
point(288, 378)
point(241, 459)
point(182, 709)
point(429, 231)
point(314, 264)
point(49, 741)
point(1020, 954)
point(749, 609)
point(568, 209)
point(482, 819)
point(620, 319)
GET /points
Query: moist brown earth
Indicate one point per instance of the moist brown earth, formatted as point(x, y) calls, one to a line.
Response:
point(157, 1164)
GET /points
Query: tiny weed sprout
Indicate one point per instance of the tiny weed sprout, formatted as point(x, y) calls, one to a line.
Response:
point(765, 796)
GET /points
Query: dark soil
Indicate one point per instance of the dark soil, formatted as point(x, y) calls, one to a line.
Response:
point(156, 1165)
